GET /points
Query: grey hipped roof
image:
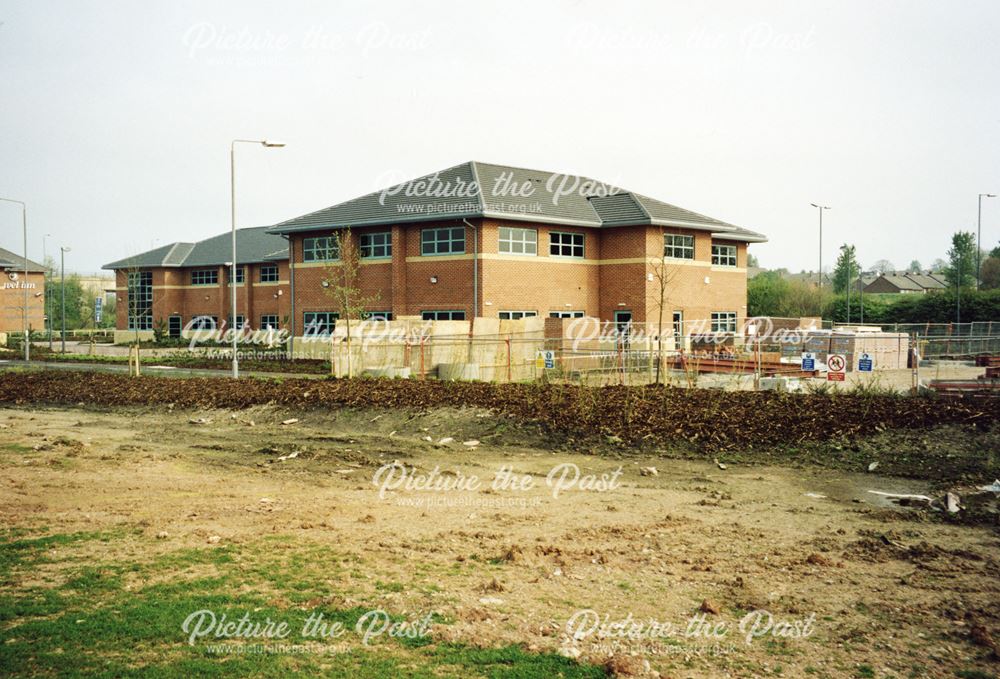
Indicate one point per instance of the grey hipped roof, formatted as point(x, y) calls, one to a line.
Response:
point(12, 260)
point(901, 282)
point(927, 281)
point(474, 189)
point(254, 244)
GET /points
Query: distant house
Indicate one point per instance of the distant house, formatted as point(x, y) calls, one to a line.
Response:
point(16, 288)
point(904, 283)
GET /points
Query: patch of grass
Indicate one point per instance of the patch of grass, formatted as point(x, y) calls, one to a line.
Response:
point(33, 602)
point(390, 586)
point(91, 625)
point(864, 671)
point(513, 661)
point(23, 551)
point(96, 579)
point(973, 674)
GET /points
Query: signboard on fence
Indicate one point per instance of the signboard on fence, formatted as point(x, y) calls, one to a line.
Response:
point(865, 363)
point(836, 364)
point(98, 308)
point(808, 361)
point(545, 360)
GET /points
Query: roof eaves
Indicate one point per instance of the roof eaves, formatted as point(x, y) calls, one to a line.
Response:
point(689, 225)
point(375, 222)
point(741, 235)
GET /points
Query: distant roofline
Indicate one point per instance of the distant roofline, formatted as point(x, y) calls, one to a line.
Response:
point(141, 259)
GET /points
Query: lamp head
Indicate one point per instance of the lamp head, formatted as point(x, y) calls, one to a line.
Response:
point(271, 144)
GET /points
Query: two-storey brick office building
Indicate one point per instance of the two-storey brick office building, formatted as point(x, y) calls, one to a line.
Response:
point(483, 240)
point(475, 240)
point(181, 282)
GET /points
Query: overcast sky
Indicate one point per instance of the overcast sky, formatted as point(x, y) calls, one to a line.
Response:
point(116, 117)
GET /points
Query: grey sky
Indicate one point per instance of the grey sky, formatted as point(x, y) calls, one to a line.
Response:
point(116, 117)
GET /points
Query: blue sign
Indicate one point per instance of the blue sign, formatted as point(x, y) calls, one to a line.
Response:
point(808, 361)
point(865, 363)
point(98, 307)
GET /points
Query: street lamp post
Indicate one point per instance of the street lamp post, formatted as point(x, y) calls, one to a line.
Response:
point(45, 288)
point(24, 283)
point(861, 293)
point(819, 274)
point(849, 284)
point(62, 285)
point(979, 231)
point(232, 270)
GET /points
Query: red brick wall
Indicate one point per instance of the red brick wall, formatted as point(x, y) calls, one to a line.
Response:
point(612, 276)
point(173, 295)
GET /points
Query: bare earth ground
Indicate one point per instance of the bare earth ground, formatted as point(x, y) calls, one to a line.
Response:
point(119, 524)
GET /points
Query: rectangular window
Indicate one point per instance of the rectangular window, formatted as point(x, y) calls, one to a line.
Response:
point(240, 274)
point(376, 245)
point(240, 322)
point(443, 315)
point(268, 273)
point(204, 322)
point(516, 315)
point(319, 323)
point(723, 255)
point(723, 321)
point(174, 324)
point(518, 241)
point(269, 321)
point(565, 314)
point(378, 315)
point(449, 241)
point(321, 249)
point(140, 300)
point(205, 277)
point(566, 244)
point(677, 246)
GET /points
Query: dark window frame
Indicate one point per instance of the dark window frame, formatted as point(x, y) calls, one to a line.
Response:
point(375, 245)
point(724, 259)
point(444, 240)
point(321, 249)
point(559, 248)
point(204, 277)
point(313, 326)
point(268, 273)
point(443, 315)
point(139, 286)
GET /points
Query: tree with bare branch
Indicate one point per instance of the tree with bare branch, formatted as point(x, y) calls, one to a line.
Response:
point(663, 275)
point(342, 286)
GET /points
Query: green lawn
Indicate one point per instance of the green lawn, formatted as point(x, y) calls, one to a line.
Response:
point(61, 614)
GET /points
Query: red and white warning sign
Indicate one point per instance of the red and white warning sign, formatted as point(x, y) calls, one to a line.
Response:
point(835, 365)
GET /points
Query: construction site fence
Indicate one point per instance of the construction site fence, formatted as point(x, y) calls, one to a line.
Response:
point(518, 359)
